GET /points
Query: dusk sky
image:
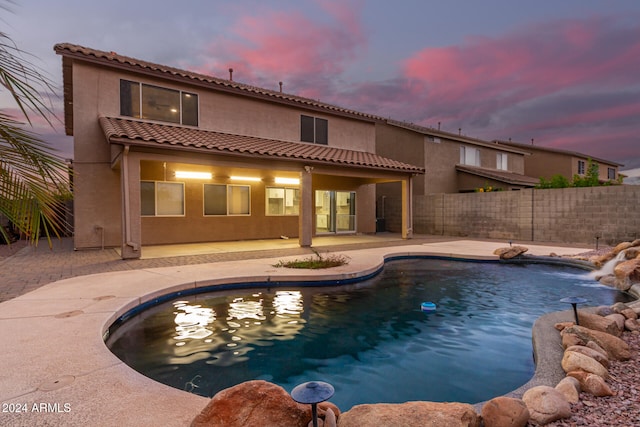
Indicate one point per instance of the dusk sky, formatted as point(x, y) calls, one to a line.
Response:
point(563, 73)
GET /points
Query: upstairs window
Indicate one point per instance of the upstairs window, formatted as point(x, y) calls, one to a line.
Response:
point(314, 129)
point(150, 102)
point(469, 156)
point(581, 167)
point(501, 161)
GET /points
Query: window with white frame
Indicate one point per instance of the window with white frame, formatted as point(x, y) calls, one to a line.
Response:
point(159, 198)
point(144, 101)
point(314, 129)
point(282, 201)
point(501, 161)
point(222, 199)
point(469, 156)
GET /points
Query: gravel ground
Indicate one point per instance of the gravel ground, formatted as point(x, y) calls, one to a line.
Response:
point(621, 410)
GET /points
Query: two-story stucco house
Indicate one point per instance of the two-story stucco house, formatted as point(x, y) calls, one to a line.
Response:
point(454, 163)
point(165, 156)
point(545, 162)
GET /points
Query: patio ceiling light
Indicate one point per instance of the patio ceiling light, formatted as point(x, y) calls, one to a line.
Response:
point(193, 175)
point(282, 180)
point(245, 178)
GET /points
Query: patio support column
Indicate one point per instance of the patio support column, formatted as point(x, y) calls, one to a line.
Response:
point(131, 223)
point(407, 207)
point(305, 217)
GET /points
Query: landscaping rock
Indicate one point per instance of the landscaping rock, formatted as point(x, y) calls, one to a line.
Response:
point(570, 389)
point(546, 404)
point(592, 353)
point(628, 313)
point(631, 325)
point(591, 383)
point(569, 339)
point(572, 361)
point(627, 273)
point(323, 406)
point(618, 318)
point(604, 310)
point(411, 414)
point(599, 323)
point(505, 412)
point(615, 347)
point(621, 247)
point(510, 252)
point(593, 346)
point(253, 403)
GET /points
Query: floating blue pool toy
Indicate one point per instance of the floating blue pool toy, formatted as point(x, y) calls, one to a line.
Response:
point(428, 307)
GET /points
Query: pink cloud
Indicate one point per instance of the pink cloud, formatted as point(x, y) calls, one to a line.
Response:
point(288, 45)
point(533, 62)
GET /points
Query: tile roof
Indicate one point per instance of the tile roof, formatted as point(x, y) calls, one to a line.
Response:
point(530, 148)
point(135, 132)
point(499, 175)
point(121, 61)
point(453, 136)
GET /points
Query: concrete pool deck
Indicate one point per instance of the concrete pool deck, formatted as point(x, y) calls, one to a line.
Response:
point(56, 369)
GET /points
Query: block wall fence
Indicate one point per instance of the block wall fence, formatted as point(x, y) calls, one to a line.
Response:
point(604, 215)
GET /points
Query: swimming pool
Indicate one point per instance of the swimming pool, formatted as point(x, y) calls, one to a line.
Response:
point(370, 340)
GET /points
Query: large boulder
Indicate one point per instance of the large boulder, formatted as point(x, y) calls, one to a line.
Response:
point(510, 252)
point(591, 383)
point(621, 247)
point(505, 412)
point(411, 414)
point(573, 361)
point(627, 273)
point(546, 404)
point(599, 323)
point(253, 403)
point(570, 389)
point(615, 347)
point(592, 353)
point(616, 317)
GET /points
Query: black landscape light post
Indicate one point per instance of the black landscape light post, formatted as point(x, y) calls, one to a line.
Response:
point(312, 392)
point(574, 301)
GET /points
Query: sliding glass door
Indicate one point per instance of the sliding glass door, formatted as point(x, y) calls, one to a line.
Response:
point(335, 211)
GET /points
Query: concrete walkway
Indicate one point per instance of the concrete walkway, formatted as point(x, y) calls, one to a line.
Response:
point(56, 369)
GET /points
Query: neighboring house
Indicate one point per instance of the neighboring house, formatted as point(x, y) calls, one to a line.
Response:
point(165, 156)
point(545, 162)
point(453, 163)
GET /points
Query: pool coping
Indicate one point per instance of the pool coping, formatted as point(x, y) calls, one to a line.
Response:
point(60, 358)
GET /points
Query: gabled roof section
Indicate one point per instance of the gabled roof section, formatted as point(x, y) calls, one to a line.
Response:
point(499, 175)
point(530, 148)
point(133, 132)
point(113, 60)
point(453, 136)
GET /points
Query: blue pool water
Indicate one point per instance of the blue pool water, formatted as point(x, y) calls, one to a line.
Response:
point(370, 340)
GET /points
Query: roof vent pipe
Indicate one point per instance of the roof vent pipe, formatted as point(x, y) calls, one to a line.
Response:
point(231, 74)
point(438, 125)
point(280, 83)
point(459, 131)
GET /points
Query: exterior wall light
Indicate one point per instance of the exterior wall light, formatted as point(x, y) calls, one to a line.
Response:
point(290, 181)
point(193, 175)
point(245, 178)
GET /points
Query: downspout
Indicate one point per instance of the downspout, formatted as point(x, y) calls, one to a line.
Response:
point(127, 203)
